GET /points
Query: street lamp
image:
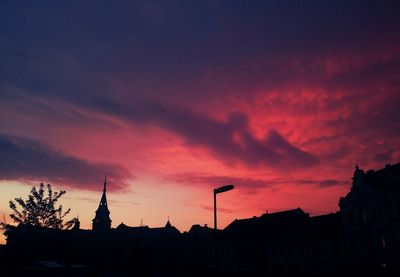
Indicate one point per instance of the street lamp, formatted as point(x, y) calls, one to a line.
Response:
point(216, 191)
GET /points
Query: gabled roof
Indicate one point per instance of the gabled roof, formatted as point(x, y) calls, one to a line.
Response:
point(372, 183)
point(325, 226)
point(383, 176)
point(286, 215)
point(128, 229)
point(278, 217)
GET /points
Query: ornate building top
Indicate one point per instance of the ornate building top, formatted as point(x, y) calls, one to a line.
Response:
point(102, 219)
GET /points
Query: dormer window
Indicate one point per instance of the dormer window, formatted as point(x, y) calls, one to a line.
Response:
point(364, 216)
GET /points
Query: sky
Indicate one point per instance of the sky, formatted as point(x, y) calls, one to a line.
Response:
point(171, 99)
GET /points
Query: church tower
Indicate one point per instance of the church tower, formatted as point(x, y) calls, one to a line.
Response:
point(102, 221)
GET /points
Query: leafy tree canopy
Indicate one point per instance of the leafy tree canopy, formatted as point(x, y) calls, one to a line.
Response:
point(40, 209)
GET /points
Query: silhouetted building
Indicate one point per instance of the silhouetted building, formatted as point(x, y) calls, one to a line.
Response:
point(102, 221)
point(362, 239)
point(199, 247)
point(371, 219)
point(287, 243)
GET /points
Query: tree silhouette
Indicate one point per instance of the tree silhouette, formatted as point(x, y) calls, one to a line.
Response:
point(39, 209)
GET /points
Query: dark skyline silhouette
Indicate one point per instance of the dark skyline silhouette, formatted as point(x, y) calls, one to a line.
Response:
point(362, 239)
point(175, 99)
point(279, 98)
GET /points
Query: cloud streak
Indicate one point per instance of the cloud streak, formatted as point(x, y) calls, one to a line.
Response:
point(257, 94)
point(231, 141)
point(27, 160)
point(247, 183)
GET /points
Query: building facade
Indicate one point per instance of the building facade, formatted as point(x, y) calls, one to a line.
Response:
point(371, 219)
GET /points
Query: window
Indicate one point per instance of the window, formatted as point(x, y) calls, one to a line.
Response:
point(364, 216)
point(336, 251)
point(315, 251)
point(383, 242)
point(377, 213)
point(282, 250)
point(290, 250)
point(301, 249)
point(273, 250)
point(398, 205)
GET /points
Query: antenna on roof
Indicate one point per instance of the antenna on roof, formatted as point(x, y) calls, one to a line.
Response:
point(141, 222)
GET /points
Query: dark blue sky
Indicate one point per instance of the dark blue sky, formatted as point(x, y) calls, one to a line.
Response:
point(271, 95)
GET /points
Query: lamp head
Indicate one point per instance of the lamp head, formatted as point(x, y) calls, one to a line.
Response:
point(223, 189)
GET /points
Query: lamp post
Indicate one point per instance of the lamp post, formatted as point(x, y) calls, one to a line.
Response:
point(216, 191)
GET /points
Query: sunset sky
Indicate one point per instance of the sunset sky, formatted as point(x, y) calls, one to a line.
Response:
point(173, 98)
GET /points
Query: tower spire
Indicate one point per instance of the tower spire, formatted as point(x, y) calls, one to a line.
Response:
point(102, 219)
point(105, 183)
